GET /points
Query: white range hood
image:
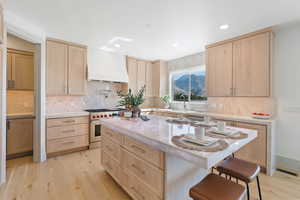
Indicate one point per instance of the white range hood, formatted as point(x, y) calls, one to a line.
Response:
point(106, 66)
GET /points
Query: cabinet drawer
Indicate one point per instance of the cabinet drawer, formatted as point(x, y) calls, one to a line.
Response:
point(67, 121)
point(113, 135)
point(145, 152)
point(67, 143)
point(110, 165)
point(151, 175)
point(111, 148)
point(67, 131)
point(136, 188)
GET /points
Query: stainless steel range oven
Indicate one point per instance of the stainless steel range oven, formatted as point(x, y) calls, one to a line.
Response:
point(95, 125)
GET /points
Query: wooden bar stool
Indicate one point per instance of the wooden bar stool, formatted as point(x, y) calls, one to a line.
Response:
point(241, 170)
point(214, 187)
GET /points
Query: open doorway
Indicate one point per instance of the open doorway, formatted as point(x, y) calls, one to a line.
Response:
point(20, 97)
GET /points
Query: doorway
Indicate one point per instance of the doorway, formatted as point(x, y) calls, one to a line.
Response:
point(20, 103)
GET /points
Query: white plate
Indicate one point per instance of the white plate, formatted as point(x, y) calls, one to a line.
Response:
point(226, 132)
point(206, 141)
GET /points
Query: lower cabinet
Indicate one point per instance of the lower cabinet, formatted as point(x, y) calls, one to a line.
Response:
point(19, 137)
point(67, 134)
point(255, 151)
point(137, 167)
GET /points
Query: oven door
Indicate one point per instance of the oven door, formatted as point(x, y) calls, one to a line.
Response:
point(95, 132)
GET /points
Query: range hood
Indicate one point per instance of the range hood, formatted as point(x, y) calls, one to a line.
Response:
point(106, 66)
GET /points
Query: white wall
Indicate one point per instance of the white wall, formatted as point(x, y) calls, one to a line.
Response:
point(287, 90)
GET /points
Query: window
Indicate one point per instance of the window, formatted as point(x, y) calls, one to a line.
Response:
point(188, 85)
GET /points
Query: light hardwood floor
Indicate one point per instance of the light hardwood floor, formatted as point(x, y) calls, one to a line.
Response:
point(80, 176)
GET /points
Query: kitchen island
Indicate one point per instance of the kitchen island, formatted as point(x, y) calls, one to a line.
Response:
point(141, 157)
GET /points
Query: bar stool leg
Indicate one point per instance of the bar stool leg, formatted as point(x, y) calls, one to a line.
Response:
point(248, 192)
point(258, 185)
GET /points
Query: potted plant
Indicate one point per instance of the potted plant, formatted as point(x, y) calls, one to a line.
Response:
point(132, 101)
point(166, 100)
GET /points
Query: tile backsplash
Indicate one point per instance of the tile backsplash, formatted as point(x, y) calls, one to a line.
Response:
point(100, 94)
point(20, 101)
point(241, 105)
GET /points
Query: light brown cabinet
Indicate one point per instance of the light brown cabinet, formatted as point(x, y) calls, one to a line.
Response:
point(251, 66)
point(20, 70)
point(132, 68)
point(77, 71)
point(19, 136)
point(66, 68)
point(255, 151)
point(67, 134)
point(57, 70)
point(219, 70)
point(137, 167)
point(240, 66)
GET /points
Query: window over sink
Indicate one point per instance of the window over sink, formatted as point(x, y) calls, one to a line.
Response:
point(188, 85)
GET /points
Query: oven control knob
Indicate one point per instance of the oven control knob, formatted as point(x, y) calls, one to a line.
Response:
point(105, 115)
point(93, 116)
point(101, 116)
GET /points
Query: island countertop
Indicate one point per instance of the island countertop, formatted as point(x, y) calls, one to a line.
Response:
point(158, 133)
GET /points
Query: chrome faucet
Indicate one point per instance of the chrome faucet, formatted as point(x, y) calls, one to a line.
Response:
point(184, 103)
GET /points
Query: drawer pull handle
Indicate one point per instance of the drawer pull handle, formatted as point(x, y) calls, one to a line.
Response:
point(138, 169)
point(68, 131)
point(69, 121)
point(138, 148)
point(71, 142)
point(138, 193)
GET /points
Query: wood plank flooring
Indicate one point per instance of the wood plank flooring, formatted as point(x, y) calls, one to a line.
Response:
point(80, 176)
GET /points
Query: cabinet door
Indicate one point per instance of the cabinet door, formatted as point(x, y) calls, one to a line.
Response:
point(10, 83)
point(57, 68)
point(22, 71)
point(141, 74)
point(77, 71)
point(256, 151)
point(149, 79)
point(132, 74)
point(19, 136)
point(251, 66)
point(219, 70)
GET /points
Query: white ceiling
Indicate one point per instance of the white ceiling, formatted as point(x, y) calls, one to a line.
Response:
point(154, 25)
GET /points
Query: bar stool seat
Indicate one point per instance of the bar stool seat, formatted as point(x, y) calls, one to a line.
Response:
point(242, 170)
point(239, 169)
point(214, 187)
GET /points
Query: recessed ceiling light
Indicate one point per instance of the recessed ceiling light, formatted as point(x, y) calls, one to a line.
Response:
point(123, 39)
point(224, 26)
point(105, 48)
point(117, 45)
point(175, 45)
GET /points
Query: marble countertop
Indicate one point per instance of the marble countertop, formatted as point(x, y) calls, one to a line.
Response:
point(240, 118)
point(20, 116)
point(67, 114)
point(158, 133)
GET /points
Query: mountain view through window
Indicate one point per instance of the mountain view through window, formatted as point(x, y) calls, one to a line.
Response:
point(189, 86)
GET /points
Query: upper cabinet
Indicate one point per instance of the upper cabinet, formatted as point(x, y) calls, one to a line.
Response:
point(66, 68)
point(154, 75)
point(20, 70)
point(251, 66)
point(240, 66)
point(77, 70)
point(219, 72)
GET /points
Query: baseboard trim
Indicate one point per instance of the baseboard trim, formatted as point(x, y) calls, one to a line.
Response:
point(288, 165)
